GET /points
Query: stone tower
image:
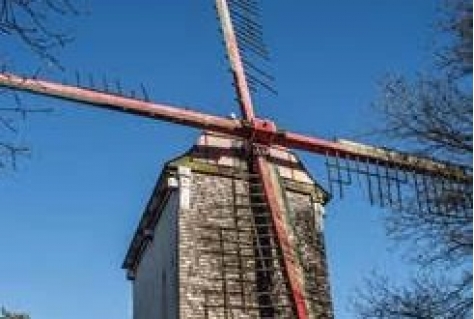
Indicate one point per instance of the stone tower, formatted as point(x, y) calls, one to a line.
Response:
point(204, 247)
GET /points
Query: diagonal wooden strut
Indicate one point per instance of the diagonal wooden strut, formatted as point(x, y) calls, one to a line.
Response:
point(282, 237)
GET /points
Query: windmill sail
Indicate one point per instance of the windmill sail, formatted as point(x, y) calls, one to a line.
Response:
point(246, 15)
point(248, 55)
point(399, 180)
point(386, 176)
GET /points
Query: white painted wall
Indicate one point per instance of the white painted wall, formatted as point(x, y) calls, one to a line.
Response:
point(155, 288)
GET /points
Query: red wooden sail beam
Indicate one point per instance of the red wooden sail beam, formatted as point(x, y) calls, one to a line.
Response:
point(373, 155)
point(287, 248)
point(243, 92)
point(258, 130)
point(119, 103)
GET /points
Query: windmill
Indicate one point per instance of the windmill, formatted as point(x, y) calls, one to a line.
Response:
point(385, 170)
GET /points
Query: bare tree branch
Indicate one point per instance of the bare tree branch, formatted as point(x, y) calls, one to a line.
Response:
point(38, 26)
point(431, 116)
point(456, 56)
point(424, 298)
point(32, 22)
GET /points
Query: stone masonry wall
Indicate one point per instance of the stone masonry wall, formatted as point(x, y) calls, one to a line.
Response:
point(311, 252)
point(217, 267)
point(211, 281)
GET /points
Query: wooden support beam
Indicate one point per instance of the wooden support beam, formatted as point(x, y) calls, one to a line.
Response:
point(283, 239)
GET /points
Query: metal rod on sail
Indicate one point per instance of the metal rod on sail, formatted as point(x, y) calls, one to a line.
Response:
point(243, 92)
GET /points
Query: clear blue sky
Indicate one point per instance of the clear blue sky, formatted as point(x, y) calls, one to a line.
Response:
point(68, 213)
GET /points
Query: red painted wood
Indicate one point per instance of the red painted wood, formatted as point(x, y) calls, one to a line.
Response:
point(395, 159)
point(289, 259)
point(243, 92)
point(163, 112)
